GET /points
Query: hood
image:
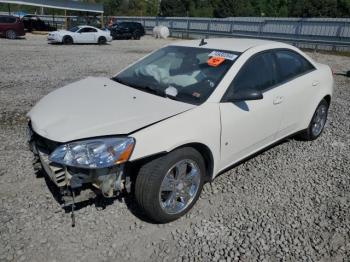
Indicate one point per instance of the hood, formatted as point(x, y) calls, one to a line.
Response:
point(99, 107)
point(60, 32)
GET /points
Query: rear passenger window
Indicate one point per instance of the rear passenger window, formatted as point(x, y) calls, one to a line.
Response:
point(290, 65)
point(257, 73)
point(87, 30)
point(7, 20)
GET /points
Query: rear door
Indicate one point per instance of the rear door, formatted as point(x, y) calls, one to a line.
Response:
point(7, 23)
point(248, 126)
point(2, 25)
point(124, 30)
point(298, 80)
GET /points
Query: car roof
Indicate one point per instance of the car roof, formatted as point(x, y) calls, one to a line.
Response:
point(9, 16)
point(87, 26)
point(230, 44)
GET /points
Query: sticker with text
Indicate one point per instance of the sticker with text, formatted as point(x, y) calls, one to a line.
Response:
point(225, 55)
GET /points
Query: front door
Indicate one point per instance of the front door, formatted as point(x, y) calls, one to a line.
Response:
point(248, 126)
point(86, 35)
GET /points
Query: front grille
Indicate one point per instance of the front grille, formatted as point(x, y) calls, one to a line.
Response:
point(46, 145)
point(55, 171)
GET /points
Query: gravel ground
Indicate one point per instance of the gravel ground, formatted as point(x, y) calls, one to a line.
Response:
point(289, 203)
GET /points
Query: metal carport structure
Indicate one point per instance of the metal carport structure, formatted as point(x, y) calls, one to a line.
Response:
point(61, 4)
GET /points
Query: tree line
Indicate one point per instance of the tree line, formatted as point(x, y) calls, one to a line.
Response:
point(227, 8)
point(216, 8)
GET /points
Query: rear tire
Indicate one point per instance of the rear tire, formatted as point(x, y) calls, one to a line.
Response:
point(11, 34)
point(317, 122)
point(67, 40)
point(136, 35)
point(102, 40)
point(166, 188)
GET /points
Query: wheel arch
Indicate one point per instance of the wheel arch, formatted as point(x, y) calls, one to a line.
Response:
point(67, 36)
point(204, 150)
point(207, 156)
point(328, 99)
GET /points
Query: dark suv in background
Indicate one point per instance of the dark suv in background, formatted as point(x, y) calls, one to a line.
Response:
point(11, 26)
point(127, 30)
point(34, 23)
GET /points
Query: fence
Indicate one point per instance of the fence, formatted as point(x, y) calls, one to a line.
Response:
point(316, 33)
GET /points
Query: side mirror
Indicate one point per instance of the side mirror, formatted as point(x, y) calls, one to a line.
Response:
point(244, 95)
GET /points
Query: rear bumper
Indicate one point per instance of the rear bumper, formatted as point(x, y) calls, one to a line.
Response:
point(21, 33)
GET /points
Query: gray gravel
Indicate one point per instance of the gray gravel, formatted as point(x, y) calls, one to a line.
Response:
point(289, 203)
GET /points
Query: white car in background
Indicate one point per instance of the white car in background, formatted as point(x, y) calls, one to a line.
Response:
point(177, 118)
point(80, 35)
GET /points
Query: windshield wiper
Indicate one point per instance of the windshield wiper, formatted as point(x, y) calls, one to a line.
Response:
point(148, 89)
point(154, 91)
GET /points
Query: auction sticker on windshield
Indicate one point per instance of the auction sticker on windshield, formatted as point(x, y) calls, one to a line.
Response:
point(225, 55)
point(215, 61)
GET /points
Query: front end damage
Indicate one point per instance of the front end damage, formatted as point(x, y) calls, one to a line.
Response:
point(77, 184)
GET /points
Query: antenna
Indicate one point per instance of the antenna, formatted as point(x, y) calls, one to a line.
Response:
point(202, 42)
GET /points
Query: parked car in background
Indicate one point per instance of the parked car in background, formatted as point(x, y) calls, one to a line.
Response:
point(34, 23)
point(127, 30)
point(177, 118)
point(80, 35)
point(11, 27)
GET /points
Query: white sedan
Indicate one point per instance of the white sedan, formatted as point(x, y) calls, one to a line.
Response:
point(174, 120)
point(80, 35)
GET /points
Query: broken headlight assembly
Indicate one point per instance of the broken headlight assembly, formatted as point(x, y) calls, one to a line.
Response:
point(94, 153)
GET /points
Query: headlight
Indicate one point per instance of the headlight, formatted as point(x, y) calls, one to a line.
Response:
point(94, 153)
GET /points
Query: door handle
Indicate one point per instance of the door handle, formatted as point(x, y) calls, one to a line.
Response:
point(278, 100)
point(315, 83)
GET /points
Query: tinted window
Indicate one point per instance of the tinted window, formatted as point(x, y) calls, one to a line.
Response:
point(291, 64)
point(87, 30)
point(11, 20)
point(122, 25)
point(135, 25)
point(74, 29)
point(7, 20)
point(257, 73)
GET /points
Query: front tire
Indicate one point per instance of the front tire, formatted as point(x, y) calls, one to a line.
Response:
point(166, 188)
point(102, 40)
point(67, 40)
point(11, 34)
point(317, 123)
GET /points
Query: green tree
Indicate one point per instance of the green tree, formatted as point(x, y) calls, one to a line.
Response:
point(173, 8)
point(343, 8)
point(227, 8)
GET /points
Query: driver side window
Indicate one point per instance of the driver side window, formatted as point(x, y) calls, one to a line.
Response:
point(257, 73)
point(87, 30)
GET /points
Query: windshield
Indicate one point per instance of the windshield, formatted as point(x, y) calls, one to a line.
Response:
point(74, 29)
point(187, 74)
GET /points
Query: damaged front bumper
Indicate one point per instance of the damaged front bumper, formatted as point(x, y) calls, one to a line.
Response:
point(108, 181)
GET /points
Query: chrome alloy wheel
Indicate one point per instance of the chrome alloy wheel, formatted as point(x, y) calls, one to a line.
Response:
point(179, 186)
point(319, 120)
